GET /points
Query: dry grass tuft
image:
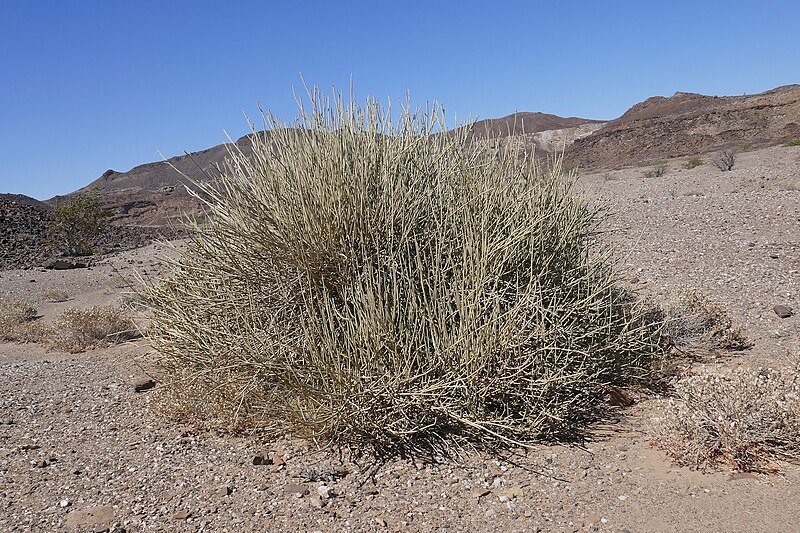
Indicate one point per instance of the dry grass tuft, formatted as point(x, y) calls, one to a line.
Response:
point(55, 296)
point(78, 330)
point(17, 321)
point(744, 419)
point(696, 326)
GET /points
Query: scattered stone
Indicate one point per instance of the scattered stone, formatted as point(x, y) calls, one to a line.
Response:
point(63, 264)
point(593, 519)
point(277, 460)
point(783, 311)
point(317, 502)
point(297, 490)
point(143, 384)
point(224, 490)
point(619, 397)
point(181, 515)
point(93, 519)
point(64, 503)
point(481, 492)
point(324, 492)
point(514, 492)
point(259, 459)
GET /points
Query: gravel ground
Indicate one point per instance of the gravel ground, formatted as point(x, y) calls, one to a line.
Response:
point(80, 450)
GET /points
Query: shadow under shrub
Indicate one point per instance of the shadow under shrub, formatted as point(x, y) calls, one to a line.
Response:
point(381, 286)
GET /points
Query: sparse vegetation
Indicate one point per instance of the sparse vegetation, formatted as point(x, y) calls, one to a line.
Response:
point(16, 320)
point(746, 147)
point(692, 162)
point(55, 296)
point(75, 330)
point(725, 160)
point(743, 419)
point(655, 172)
point(696, 326)
point(78, 330)
point(793, 142)
point(76, 223)
point(382, 287)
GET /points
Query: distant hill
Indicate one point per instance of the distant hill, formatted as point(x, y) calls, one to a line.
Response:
point(660, 127)
point(522, 123)
point(688, 124)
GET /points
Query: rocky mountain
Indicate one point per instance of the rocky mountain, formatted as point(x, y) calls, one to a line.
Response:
point(684, 124)
point(687, 124)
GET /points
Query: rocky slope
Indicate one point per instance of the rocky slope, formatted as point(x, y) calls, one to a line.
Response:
point(23, 223)
point(685, 124)
point(689, 124)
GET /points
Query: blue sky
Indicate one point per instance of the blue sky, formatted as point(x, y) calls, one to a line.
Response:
point(92, 85)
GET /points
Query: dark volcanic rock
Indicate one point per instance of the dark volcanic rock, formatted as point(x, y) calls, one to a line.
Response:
point(23, 223)
point(59, 263)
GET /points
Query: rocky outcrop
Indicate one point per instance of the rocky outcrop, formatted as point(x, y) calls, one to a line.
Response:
point(690, 124)
point(23, 224)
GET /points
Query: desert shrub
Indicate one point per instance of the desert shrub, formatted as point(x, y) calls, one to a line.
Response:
point(692, 162)
point(55, 296)
point(77, 330)
point(17, 320)
point(742, 419)
point(76, 223)
point(695, 325)
point(725, 160)
point(655, 172)
point(793, 142)
point(378, 285)
point(746, 147)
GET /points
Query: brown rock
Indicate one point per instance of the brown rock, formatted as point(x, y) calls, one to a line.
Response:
point(297, 490)
point(480, 493)
point(143, 384)
point(91, 518)
point(514, 492)
point(181, 515)
point(783, 311)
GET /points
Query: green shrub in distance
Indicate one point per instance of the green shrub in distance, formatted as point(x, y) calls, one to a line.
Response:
point(793, 142)
point(692, 162)
point(76, 222)
point(746, 147)
point(378, 284)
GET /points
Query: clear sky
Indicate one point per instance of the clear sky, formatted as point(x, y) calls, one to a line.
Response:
point(91, 85)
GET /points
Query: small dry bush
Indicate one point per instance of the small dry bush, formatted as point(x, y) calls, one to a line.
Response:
point(55, 296)
point(696, 326)
point(793, 142)
point(692, 162)
point(377, 284)
point(77, 330)
point(725, 160)
point(743, 419)
point(17, 321)
point(655, 172)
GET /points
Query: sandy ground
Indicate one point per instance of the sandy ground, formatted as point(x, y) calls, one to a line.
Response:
point(80, 450)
